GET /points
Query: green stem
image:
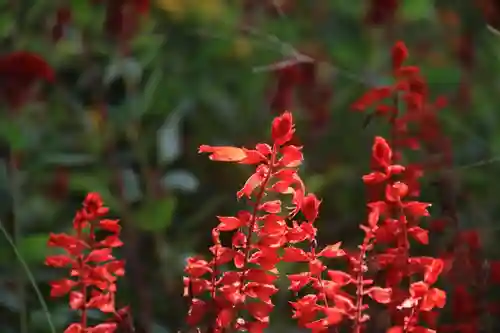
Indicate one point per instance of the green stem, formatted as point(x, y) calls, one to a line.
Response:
point(16, 236)
point(30, 277)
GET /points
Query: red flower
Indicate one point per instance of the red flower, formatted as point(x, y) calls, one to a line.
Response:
point(93, 268)
point(18, 72)
point(381, 11)
point(122, 16)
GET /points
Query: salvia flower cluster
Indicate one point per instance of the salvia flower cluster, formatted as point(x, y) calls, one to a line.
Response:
point(233, 290)
point(93, 270)
point(241, 298)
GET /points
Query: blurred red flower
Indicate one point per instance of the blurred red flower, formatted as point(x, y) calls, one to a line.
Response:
point(18, 72)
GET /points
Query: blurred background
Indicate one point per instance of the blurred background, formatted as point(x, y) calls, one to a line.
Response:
point(138, 86)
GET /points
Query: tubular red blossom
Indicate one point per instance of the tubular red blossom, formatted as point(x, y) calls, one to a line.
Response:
point(258, 234)
point(94, 269)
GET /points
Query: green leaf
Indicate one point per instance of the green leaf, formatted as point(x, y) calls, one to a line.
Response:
point(33, 248)
point(86, 182)
point(443, 79)
point(67, 159)
point(13, 134)
point(417, 10)
point(6, 25)
point(156, 215)
point(318, 182)
point(84, 13)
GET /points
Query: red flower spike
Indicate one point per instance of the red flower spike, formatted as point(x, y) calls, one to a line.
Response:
point(94, 270)
point(258, 236)
point(262, 238)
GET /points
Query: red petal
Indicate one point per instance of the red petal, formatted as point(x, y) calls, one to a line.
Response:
point(416, 208)
point(333, 316)
point(382, 152)
point(282, 128)
point(381, 295)
point(260, 310)
point(224, 153)
point(309, 207)
point(196, 311)
point(103, 302)
point(374, 177)
point(293, 254)
point(332, 251)
point(395, 329)
point(273, 207)
point(100, 255)
point(298, 281)
point(395, 192)
point(111, 241)
point(103, 328)
point(74, 328)
point(76, 300)
point(229, 223)
point(292, 156)
point(399, 55)
point(61, 287)
point(339, 277)
point(253, 157)
point(421, 235)
point(371, 97)
point(59, 260)
point(110, 225)
point(433, 270)
point(251, 184)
